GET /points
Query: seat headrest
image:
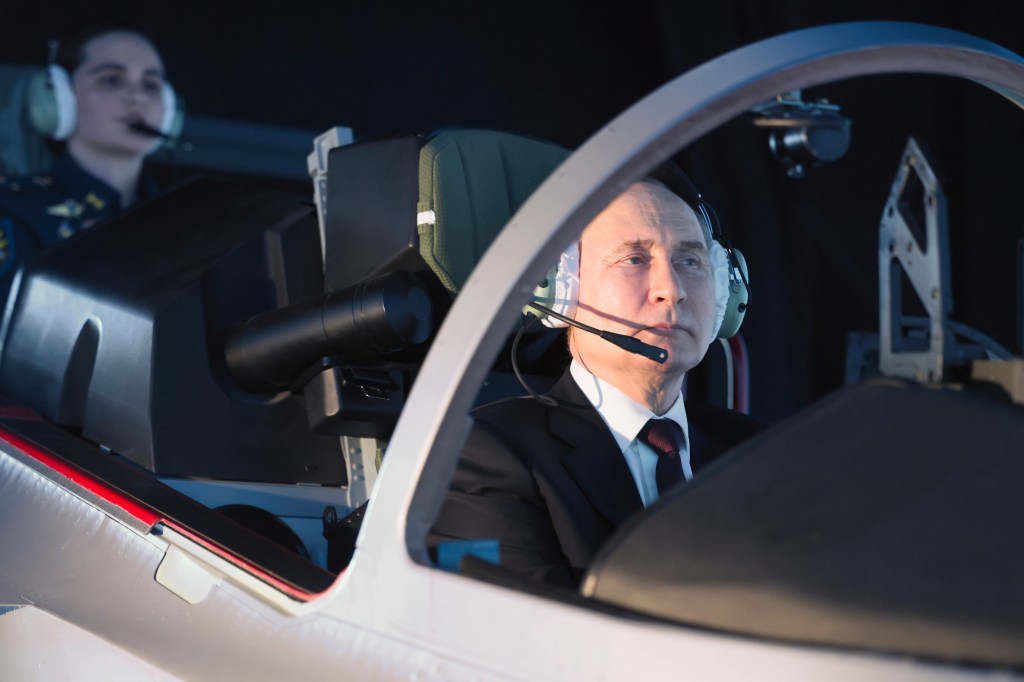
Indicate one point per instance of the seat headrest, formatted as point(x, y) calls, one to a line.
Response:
point(471, 182)
point(433, 203)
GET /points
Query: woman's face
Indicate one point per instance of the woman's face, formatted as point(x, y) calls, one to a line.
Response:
point(119, 82)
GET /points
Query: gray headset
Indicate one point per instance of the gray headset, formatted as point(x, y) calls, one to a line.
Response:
point(54, 113)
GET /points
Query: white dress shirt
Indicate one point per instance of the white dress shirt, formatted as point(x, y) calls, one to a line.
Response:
point(624, 418)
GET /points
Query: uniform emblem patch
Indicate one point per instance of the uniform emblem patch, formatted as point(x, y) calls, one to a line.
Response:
point(95, 201)
point(66, 209)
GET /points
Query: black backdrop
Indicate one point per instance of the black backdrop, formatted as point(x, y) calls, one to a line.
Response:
point(560, 69)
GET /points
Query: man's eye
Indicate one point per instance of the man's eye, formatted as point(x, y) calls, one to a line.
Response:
point(152, 87)
point(689, 262)
point(634, 260)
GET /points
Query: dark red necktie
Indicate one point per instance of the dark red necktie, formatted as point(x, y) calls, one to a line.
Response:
point(666, 439)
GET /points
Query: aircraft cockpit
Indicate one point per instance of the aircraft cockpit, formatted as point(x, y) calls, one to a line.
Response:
point(267, 383)
point(269, 394)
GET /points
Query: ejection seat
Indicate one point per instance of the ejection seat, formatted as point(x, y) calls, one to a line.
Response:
point(429, 204)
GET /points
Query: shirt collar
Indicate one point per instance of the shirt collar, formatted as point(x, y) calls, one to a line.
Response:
point(623, 415)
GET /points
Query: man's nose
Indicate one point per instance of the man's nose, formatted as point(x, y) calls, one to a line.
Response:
point(666, 283)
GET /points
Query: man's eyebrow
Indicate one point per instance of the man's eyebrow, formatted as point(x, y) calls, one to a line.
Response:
point(691, 245)
point(634, 244)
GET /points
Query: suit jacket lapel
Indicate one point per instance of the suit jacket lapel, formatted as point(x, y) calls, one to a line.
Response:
point(593, 460)
point(700, 450)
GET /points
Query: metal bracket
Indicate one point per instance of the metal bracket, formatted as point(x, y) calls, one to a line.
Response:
point(361, 455)
point(803, 134)
point(926, 266)
point(316, 163)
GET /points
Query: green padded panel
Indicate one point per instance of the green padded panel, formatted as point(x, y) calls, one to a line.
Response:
point(473, 181)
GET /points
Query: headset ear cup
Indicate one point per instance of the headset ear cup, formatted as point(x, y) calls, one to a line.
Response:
point(544, 294)
point(739, 296)
point(174, 114)
point(560, 290)
point(64, 96)
point(51, 103)
point(41, 104)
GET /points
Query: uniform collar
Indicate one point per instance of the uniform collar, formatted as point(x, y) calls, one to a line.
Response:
point(79, 184)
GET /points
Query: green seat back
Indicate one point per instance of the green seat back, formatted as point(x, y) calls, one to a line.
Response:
point(471, 182)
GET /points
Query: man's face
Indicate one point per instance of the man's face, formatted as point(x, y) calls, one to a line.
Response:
point(120, 81)
point(645, 272)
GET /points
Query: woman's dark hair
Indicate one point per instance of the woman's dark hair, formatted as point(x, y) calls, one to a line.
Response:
point(71, 51)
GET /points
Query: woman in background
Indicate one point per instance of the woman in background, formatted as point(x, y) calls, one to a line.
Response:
point(106, 96)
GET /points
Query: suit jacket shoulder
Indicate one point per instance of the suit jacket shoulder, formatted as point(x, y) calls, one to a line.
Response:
point(713, 430)
point(549, 482)
point(546, 480)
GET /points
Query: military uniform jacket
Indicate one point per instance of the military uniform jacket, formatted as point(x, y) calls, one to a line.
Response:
point(38, 211)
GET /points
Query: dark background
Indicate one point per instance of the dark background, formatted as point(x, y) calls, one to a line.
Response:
point(560, 69)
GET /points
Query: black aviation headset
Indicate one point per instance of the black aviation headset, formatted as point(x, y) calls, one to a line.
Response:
point(53, 110)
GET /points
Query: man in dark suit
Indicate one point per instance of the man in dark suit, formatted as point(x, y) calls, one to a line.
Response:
point(552, 479)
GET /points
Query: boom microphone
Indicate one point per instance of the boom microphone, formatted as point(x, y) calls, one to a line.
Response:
point(626, 343)
point(143, 128)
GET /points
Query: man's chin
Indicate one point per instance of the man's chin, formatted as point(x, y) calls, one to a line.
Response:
point(681, 359)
